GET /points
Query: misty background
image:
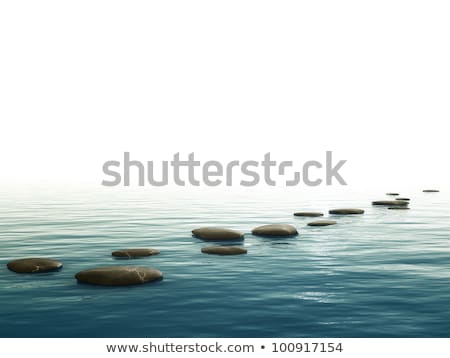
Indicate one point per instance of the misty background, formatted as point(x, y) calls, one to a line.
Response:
point(226, 80)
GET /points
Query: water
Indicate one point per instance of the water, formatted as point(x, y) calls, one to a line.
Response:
point(382, 274)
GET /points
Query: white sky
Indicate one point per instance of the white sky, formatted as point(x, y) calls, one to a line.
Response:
point(81, 82)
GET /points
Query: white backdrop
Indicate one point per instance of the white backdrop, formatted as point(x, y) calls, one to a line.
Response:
point(83, 81)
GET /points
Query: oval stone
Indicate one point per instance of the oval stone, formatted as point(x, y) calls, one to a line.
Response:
point(275, 230)
point(398, 208)
point(119, 275)
point(390, 202)
point(322, 223)
point(346, 211)
point(217, 233)
point(224, 250)
point(430, 191)
point(310, 214)
point(392, 194)
point(34, 265)
point(132, 253)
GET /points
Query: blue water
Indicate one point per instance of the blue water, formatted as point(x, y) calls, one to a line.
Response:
point(382, 274)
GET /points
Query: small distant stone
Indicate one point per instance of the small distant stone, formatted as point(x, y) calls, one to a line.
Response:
point(217, 233)
point(34, 265)
point(392, 194)
point(132, 253)
point(275, 230)
point(310, 214)
point(119, 275)
point(224, 250)
point(322, 223)
point(404, 199)
point(346, 211)
point(430, 191)
point(390, 203)
point(398, 208)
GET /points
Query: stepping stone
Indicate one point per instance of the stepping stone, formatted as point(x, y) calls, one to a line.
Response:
point(390, 203)
point(430, 191)
point(398, 208)
point(275, 230)
point(224, 250)
point(392, 194)
point(310, 214)
point(322, 223)
point(132, 253)
point(217, 234)
point(404, 199)
point(34, 265)
point(119, 275)
point(346, 211)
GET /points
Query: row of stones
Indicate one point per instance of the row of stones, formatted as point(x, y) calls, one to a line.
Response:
point(129, 275)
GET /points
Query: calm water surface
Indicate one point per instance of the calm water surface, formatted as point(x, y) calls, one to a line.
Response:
point(382, 274)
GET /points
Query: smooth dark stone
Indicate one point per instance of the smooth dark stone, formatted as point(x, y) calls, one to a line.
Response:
point(392, 194)
point(403, 199)
point(224, 250)
point(34, 265)
point(398, 208)
point(217, 233)
point(430, 191)
point(119, 275)
point(322, 223)
point(131, 253)
point(310, 214)
point(275, 230)
point(346, 211)
point(390, 202)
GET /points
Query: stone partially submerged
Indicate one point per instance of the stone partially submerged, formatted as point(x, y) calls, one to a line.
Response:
point(430, 191)
point(346, 211)
point(403, 199)
point(390, 203)
point(310, 214)
point(134, 253)
point(34, 265)
point(398, 208)
point(392, 194)
point(322, 223)
point(119, 275)
point(280, 230)
point(217, 234)
point(224, 250)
